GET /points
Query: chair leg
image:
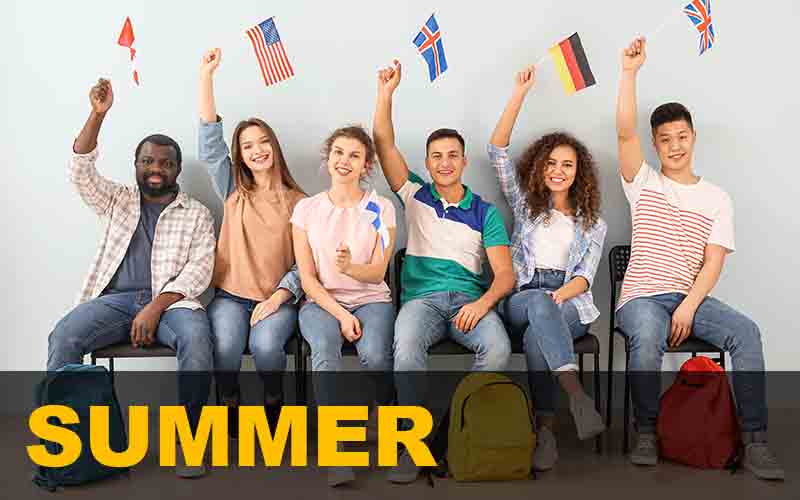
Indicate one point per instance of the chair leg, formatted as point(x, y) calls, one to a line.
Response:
point(580, 368)
point(94, 360)
point(626, 411)
point(111, 372)
point(722, 360)
point(610, 385)
point(598, 443)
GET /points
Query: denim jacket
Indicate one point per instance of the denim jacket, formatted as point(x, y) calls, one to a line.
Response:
point(584, 254)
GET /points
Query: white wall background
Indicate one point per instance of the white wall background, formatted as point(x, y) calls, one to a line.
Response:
point(743, 95)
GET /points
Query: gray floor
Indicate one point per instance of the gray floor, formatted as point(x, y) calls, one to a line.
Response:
point(580, 473)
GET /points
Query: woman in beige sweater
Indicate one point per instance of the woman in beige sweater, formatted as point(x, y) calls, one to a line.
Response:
point(257, 286)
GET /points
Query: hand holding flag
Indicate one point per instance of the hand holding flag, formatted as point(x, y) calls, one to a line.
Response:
point(101, 96)
point(210, 62)
point(343, 258)
point(634, 55)
point(525, 80)
point(389, 78)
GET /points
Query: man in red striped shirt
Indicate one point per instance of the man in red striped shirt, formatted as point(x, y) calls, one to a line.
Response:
point(682, 232)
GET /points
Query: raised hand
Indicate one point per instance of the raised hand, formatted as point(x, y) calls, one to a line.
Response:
point(525, 80)
point(634, 55)
point(210, 61)
point(389, 78)
point(101, 96)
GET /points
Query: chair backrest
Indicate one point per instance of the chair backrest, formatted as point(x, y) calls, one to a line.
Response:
point(398, 272)
point(617, 263)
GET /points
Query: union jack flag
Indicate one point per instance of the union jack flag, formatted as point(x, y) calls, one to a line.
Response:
point(699, 12)
point(429, 44)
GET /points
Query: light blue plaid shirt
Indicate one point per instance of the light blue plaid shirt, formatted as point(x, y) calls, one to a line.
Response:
point(584, 254)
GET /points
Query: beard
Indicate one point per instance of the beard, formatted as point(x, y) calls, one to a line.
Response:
point(155, 192)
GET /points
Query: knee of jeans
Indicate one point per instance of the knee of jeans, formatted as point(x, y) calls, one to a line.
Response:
point(268, 352)
point(540, 304)
point(409, 353)
point(496, 356)
point(747, 336)
point(195, 343)
point(377, 359)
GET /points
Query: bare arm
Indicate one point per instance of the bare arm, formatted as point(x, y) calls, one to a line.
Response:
point(209, 64)
point(308, 275)
point(500, 261)
point(683, 317)
point(374, 272)
point(630, 147)
point(394, 166)
point(523, 82)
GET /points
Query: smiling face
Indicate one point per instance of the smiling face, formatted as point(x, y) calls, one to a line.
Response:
point(446, 161)
point(674, 141)
point(157, 169)
point(347, 160)
point(560, 168)
point(256, 149)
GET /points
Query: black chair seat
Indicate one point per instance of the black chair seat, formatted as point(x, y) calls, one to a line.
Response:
point(126, 350)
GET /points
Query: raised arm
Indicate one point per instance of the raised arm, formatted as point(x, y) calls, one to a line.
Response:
point(630, 147)
point(522, 84)
point(211, 147)
point(95, 190)
point(394, 166)
point(209, 64)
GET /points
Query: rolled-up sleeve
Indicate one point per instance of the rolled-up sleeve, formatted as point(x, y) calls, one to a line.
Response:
point(212, 149)
point(587, 267)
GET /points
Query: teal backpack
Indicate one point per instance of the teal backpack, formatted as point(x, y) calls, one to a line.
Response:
point(79, 387)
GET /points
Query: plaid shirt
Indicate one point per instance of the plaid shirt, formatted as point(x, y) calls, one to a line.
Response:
point(183, 246)
point(584, 254)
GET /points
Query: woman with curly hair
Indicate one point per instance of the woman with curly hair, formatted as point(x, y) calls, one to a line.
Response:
point(343, 242)
point(556, 247)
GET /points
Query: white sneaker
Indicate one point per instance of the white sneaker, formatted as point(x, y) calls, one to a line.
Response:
point(406, 471)
point(545, 455)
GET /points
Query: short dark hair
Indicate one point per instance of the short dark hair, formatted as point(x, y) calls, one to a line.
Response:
point(159, 140)
point(444, 133)
point(670, 112)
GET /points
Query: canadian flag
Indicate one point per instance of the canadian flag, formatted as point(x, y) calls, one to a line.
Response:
point(126, 39)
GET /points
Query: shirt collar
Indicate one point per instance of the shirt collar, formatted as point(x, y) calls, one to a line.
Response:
point(464, 204)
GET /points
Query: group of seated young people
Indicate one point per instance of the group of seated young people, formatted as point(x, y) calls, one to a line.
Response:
point(286, 261)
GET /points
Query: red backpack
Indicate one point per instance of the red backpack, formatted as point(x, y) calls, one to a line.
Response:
point(697, 423)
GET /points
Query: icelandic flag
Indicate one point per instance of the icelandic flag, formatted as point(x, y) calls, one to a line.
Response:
point(429, 44)
point(371, 214)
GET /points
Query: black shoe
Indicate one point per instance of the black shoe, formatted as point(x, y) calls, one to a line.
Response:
point(273, 411)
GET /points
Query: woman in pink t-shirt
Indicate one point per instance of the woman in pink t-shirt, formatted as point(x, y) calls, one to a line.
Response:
point(343, 242)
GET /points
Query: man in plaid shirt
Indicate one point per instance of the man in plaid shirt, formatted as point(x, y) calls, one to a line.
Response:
point(156, 257)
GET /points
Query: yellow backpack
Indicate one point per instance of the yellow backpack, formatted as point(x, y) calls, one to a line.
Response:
point(491, 435)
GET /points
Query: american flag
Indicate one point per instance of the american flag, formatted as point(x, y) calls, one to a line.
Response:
point(272, 59)
point(699, 12)
point(429, 44)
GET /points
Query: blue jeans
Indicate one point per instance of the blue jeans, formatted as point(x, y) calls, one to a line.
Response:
point(324, 335)
point(548, 333)
point(107, 320)
point(646, 323)
point(231, 332)
point(427, 321)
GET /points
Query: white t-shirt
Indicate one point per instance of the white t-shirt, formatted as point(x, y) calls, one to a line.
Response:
point(552, 241)
point(672, 224)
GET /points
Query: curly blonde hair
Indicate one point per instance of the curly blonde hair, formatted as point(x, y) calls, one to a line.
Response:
point(358, 133)
point(584, 194)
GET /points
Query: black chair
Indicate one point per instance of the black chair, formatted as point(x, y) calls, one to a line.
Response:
point(618, 264)
point(126, 350)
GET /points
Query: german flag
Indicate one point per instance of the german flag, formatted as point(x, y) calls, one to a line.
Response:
point(573, 67)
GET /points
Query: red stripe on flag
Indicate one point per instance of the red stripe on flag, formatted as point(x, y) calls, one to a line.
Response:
point(258, 56)
point(276, 64)
point(572, 65)
point(286, 58)
point(279, 62)
point(262, 49)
